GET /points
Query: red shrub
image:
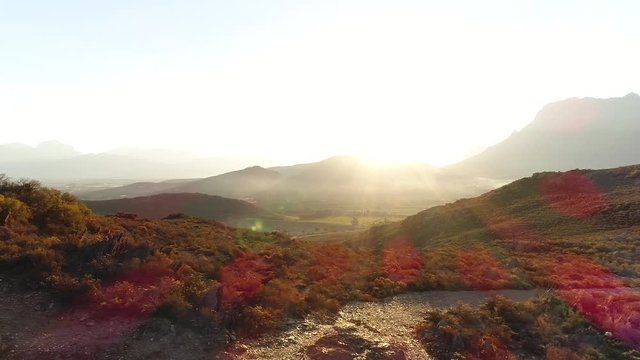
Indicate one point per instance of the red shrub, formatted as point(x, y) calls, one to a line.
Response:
point(401, 261)
point(572, 194)
point(139, 292)
point(570, 271)
point(243, 278)
point(479, 269)
point(613, 310)
point(330, 263)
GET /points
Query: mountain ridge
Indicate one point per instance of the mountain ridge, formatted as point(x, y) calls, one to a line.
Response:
point(338, 181)
point(53, 160)
point(567, 134)
point(221, 209)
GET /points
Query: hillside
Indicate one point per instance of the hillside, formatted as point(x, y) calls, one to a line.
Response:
point(590, 213)
point(569, 134)
point(106, 276)
point(338, 182)
point(239, 184)
point(224, 210)
point(236, 184)
point(575, 232)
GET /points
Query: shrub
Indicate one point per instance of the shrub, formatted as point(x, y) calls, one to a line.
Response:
point(283, 295)
point(19, 211)
point(500, 328)
point(254, 320)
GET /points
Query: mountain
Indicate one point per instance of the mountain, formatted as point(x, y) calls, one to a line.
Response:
point(53, 161)
point(235, 184)
point(342, 181)
point(50, 150)
point(569, 134)
point(238, 184)
point(228, 211)
point(55, 150)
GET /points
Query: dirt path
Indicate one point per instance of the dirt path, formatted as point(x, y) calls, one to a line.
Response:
point(372, 331)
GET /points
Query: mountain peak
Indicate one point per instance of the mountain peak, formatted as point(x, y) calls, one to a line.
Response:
point(255, 169)
point(572, 133)
point(56, 149)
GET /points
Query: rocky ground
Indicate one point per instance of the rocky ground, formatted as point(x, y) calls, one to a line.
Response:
point(32, 326)
point(372, 331)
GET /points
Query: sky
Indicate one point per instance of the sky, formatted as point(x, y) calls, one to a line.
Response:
point(297, 81)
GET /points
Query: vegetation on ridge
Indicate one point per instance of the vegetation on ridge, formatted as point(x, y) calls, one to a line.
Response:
point(575, 232)
point(122, 265)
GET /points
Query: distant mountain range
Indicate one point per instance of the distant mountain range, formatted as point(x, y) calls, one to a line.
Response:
point(50, 150)
point(337, 182)
point(569, 134)
point(228, 211)
point(55, 161)
point(582, 133)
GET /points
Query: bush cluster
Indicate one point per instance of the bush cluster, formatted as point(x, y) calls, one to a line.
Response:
point(546, 327)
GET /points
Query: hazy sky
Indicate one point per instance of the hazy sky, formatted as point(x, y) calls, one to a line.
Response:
point(304, 80)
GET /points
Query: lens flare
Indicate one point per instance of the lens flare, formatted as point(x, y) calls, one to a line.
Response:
point(572, 194)
point(257, 225)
